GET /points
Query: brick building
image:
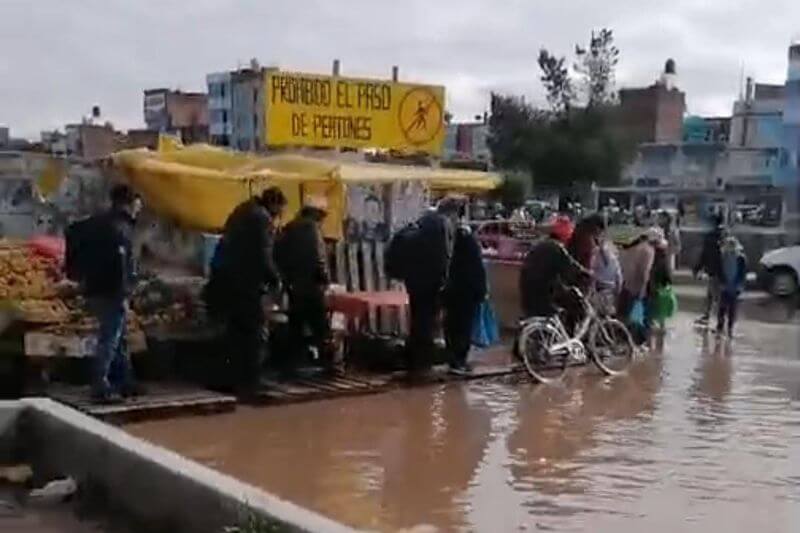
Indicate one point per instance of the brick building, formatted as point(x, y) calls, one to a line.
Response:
point(184, 114)
point(654, 113)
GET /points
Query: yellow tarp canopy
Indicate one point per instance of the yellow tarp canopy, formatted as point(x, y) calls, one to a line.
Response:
point(199, 185)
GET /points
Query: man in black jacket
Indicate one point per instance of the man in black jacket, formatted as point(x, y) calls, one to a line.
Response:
point(426, 279)
point(303, 261)
point(108, 277)
point(244, 270)
point(463, 294)
point(710, 262)
point(546, 268)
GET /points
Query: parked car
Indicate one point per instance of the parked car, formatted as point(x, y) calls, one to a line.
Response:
point(779, 271)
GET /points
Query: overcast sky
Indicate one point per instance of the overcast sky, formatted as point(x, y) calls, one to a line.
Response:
point(59, 57)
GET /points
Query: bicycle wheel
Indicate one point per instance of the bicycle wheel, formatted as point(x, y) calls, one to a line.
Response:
point(611, 346)
point(534, 349)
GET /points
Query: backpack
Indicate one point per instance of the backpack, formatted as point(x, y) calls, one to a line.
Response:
point(78, 237)
point(399, 255)
point(90, 243)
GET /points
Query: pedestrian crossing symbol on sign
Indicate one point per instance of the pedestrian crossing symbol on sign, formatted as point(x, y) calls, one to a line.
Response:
point(420, 116)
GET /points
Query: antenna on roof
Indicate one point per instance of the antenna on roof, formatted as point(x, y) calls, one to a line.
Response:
point(741, 80)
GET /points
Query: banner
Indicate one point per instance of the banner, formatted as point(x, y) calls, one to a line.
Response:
point(330, 111)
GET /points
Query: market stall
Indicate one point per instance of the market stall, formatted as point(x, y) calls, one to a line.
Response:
point(198, 186)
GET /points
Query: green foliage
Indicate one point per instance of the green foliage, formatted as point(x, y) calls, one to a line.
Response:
point(596, 67)
point(512, 192)
point(567, 144)
point(557, 83)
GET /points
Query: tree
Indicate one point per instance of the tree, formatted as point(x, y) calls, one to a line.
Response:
point(596, 66)
point(556, 81)
point(567, 144)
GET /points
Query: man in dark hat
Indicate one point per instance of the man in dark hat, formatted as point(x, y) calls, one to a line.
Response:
point(427, 276)
point(243, 271)
point(303, 262)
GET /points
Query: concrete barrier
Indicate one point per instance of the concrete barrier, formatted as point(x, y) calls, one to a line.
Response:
point(156, 488)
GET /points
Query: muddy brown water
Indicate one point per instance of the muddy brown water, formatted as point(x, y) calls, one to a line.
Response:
point(704, 436)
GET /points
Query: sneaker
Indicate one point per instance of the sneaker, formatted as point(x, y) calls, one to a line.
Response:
point(702, 320)
point(106, 398)
point(133, 390)
point(460, 369)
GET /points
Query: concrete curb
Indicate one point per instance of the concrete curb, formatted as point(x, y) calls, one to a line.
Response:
point(154, 486)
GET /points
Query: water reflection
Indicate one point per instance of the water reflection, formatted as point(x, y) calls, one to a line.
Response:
point(704, 436)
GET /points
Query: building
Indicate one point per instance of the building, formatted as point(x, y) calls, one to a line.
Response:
point(466, 144)
point(92, 141)
point(655, 113)
point(184, 114)
point(54, 142)
point(220, 107)
point(5, 137)
point(790, 174)
point(236, 104)
point(247, 108)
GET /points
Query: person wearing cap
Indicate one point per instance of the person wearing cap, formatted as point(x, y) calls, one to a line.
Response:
point(243, 271)
point(710, 262)
point(547, 267)
point(302, 258)
point(107, 284)
point(427, 277)
point(732, 280)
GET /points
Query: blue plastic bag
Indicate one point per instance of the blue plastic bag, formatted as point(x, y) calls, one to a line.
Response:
point(485, 332)
point(636, 316)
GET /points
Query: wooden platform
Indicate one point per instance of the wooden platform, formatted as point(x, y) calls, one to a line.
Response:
point(161, 401)
point(318, 387)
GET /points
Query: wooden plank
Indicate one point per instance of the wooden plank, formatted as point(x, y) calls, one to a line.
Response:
point(352, 260)
point(385, 316)
point(160, 401)
point(341, 263)
point(367, 249)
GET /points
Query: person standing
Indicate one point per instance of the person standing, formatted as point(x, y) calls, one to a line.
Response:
point(303, 261)
point(672, 234)
point(607, 273)
point(710, 262)
point(660, 280)
point(732, 280)
point(243, 271)
point(426, 278)
point(465, 290)
point(107, 280)
point(637, 261)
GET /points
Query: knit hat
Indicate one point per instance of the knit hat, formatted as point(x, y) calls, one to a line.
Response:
point(731, 244)
point(655, 236)
point(316, 202)
point(562, 229)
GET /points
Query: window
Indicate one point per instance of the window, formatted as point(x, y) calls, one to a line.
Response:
point(255, 122)
point(255, 96)
point(222, 90)
point(224, 116)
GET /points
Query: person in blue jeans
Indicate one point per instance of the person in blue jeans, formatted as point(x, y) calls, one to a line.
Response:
point(733, 276)
point(108, 280)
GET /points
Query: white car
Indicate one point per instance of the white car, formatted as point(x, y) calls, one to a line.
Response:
point(779, 271)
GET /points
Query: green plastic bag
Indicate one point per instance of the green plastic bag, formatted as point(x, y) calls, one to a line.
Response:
point(666, 304)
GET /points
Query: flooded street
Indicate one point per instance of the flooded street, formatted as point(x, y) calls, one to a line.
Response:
point(704, 437)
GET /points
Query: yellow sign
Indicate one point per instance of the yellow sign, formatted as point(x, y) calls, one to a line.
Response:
point(329, 111)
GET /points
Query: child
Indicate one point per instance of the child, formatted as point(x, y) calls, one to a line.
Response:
point(734, 274)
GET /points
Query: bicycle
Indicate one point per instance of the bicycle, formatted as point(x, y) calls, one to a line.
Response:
point(546, 348)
